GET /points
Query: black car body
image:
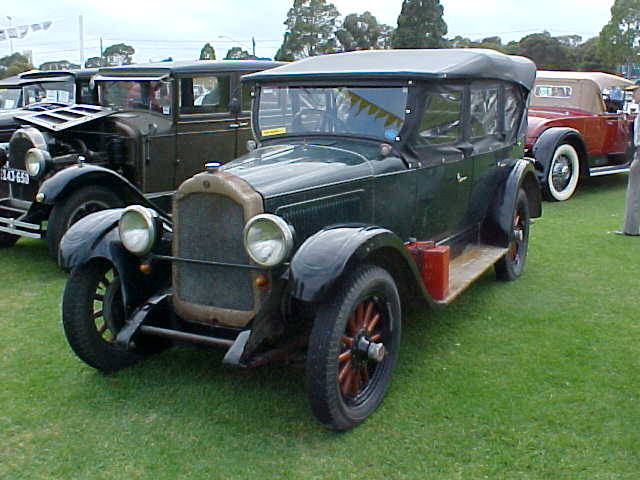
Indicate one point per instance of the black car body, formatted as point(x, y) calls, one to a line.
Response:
point(371, 169)
point(148, 132)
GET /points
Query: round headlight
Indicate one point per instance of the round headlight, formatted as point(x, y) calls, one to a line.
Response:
point(36, 161)
point(137, 229)
point(268, 239)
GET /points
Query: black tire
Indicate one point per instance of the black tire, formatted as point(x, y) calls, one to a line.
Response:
point(511, 266)
point(564, 172)
point(93, 314)
point(79, 204)
point(8, 240)
point(344, 385)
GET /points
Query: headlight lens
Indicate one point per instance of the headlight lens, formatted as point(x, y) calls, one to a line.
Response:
point(36, 161)
point(268, 239)
point(137, 228)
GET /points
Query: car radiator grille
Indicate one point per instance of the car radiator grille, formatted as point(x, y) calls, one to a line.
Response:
point(209, 227)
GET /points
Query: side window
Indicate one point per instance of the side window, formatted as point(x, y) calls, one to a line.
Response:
point(484, 112)
point(246, 97)
point(440, 123)
point(513, 109)
point(207, 94)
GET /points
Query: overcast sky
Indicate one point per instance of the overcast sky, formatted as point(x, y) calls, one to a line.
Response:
point(162, 28)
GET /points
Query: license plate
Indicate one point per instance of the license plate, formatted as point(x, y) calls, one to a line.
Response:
point(14, 175)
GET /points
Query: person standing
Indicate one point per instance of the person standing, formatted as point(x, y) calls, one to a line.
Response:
point(631, 224)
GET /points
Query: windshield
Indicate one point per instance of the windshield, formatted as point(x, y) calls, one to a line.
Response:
point(376, 112)
point(9, 98)
point(50, 92)
point(152, 95)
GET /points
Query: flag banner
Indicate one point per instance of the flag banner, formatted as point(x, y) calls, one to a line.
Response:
point(22, 31)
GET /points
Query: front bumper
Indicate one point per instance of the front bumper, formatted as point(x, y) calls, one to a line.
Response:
point(12, 220)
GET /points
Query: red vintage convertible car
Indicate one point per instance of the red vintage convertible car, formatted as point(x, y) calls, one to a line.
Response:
point(577, 129)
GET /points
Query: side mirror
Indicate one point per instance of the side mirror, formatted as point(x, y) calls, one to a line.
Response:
point(465, 148)
point(234, 106)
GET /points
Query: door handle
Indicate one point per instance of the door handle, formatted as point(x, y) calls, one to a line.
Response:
point(460, 178)
point(238, 125)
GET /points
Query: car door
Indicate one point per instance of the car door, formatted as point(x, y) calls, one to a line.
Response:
point(445, 173)
point(616, 133)
point(206, 129)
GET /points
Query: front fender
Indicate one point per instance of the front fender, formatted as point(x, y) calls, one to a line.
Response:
point(547, 143)
point(325, 256)
point(96, 236)
point(71, 178)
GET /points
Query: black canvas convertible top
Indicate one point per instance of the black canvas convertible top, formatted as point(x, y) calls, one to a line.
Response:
point(451, 63)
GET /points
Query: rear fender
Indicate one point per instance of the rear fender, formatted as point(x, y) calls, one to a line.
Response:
point(523, 175)
point(327, 255)
point(551, 139)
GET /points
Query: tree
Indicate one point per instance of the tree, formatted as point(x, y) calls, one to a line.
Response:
point(620, 37)
point(207, 52)
point(14, 64)
point(237, 53)
point(310, 30)
point(118, 54)
point(363, 32)
point(570, 40)
point(420, 25)
point(588, 57)
point(58, 65)
point(547, 52)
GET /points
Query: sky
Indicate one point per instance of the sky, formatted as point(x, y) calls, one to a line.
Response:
point(157, 30)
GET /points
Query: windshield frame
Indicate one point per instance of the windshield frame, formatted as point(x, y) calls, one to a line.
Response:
point(101, 85)
point(407, 84)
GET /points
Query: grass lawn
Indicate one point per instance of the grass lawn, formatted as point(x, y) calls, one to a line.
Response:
point(539, 378)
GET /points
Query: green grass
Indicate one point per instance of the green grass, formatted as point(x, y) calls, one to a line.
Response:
point(533, 379)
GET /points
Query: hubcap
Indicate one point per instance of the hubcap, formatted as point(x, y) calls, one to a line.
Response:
point(561, 173)
point(362, 349)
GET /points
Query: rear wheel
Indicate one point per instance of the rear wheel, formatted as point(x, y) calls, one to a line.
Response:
point(511, 266)
point(79, 204)
point(353, 349)
point(93, 314)
point(564, 172)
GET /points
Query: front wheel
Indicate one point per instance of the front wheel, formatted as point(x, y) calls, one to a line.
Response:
point(93, 314)
point(78, 205)
point(564, 172)
point(510, 267)
point(353, 348)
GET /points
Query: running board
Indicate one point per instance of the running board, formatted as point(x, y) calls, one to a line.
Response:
point(468, 266)
point(608, 170)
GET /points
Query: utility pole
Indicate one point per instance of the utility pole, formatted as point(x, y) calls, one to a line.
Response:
point(101, 54)
point(9, 35)
point(81, 32)
point(253, 43)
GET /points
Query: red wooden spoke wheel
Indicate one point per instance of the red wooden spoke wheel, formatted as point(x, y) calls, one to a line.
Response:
point(353, 348)
point(511, 265)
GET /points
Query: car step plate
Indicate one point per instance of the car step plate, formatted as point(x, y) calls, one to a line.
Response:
point(468, 266)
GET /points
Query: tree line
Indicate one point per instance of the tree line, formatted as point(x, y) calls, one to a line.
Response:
point(316, 27)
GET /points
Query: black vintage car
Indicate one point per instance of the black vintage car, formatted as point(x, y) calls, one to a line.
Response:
point(379, 178)
point(41, 90)
point(153, 125)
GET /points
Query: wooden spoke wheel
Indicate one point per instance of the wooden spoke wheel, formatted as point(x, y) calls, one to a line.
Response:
point(353, 348)
point(93, 314)
point(511, 265)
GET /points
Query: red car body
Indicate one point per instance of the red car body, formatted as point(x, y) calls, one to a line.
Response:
point(571, 134)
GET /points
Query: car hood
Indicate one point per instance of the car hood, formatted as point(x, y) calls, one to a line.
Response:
point(62, 118)
point(280, 169)
point(7, 124)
